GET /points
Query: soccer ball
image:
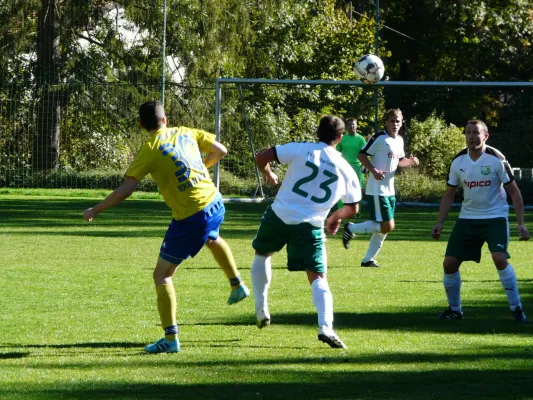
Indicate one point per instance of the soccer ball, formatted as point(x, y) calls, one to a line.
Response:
point(369, 68)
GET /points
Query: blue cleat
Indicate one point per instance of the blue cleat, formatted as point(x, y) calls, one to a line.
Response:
point(164, 346)
point(238, 294)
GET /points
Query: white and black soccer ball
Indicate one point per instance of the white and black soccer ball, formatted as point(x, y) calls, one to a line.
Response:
point(369, 68)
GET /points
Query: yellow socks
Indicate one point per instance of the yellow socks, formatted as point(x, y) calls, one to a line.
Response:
point(166, 304)
point(224, 258)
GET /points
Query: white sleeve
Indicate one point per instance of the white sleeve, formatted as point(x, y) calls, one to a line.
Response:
point(505, 172)
point(353, 190)
point(403, 149)
point(453, 174)
point(286, 152)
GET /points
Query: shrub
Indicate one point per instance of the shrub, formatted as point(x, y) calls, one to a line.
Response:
point(435, 144)
point(413, 186)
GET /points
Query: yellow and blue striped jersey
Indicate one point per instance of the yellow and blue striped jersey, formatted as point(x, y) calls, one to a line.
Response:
point(173, 157)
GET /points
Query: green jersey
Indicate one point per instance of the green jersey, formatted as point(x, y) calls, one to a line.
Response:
point(350, 146)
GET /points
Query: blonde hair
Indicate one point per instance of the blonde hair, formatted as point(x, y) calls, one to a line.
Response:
point(392, 111)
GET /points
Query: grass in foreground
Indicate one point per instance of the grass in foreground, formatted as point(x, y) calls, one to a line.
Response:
point(78, 306)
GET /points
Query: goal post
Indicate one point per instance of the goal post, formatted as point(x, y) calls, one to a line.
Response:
point(274, 111)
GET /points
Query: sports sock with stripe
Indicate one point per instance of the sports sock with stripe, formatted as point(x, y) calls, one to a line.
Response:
point(509, 284)
point(166, 304)
point(452, 286)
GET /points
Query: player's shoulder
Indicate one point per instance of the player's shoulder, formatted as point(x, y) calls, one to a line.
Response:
point(294, 149)
point(493, 152)
point(297, 145)
point(378, 137)
point(463, 153)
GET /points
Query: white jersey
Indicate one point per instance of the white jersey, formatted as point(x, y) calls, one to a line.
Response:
point(482, 181)
point(385, 152)
point(317, 178)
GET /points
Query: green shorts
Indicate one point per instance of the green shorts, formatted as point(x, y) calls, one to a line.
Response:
point(381, 208)
point(469, 235)
point(305, 243)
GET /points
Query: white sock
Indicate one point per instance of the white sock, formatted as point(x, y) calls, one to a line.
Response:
point(364, 227)
point(376, 241)
point(261, 276)
point(508, 280)
point(323, 302)
point(452, 285)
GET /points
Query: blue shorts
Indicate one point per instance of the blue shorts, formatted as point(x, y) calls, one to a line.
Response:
point(186, 237)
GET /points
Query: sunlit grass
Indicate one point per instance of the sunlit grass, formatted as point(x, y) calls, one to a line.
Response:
point(78, 306)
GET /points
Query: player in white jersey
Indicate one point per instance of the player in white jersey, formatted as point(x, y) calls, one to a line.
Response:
point(317, 178)
point(483, 172)
point(386, 153)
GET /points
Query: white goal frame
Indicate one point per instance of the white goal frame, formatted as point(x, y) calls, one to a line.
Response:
point(222, 81)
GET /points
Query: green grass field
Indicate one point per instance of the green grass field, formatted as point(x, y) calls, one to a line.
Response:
point(78, 306)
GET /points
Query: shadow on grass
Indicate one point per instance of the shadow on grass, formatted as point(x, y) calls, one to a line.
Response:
point(11, 355)
point(292, 384)
point(480, 320)
point(90, 345)
point(153, 216)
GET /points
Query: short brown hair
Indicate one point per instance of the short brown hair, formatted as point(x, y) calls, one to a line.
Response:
point(330, 129)
point(478, 122)
point(151, 114)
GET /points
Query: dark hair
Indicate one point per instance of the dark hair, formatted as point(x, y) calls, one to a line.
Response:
point(477, 122)
point(330, 129)
point(150, 114)
point(388, 113)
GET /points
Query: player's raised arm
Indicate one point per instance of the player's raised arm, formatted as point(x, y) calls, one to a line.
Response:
point(263, 159)
point(116, 197)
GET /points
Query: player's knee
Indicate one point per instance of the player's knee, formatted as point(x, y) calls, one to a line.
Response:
point(387, 226)
point(210, 243)
point(500, 260)
point(451, 265)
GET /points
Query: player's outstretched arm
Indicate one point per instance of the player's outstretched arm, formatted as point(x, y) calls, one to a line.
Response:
point(518, 204)
point(445, 206)
point(117, 196)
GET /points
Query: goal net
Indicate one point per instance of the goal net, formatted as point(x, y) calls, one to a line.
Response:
point(252, 114)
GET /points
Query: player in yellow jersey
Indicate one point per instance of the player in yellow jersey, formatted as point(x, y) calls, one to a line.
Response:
point(173, 157)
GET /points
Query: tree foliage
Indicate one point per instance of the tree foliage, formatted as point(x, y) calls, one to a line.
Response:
point(81, 83)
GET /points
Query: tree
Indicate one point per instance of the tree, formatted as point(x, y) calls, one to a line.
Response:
point(45, 154)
